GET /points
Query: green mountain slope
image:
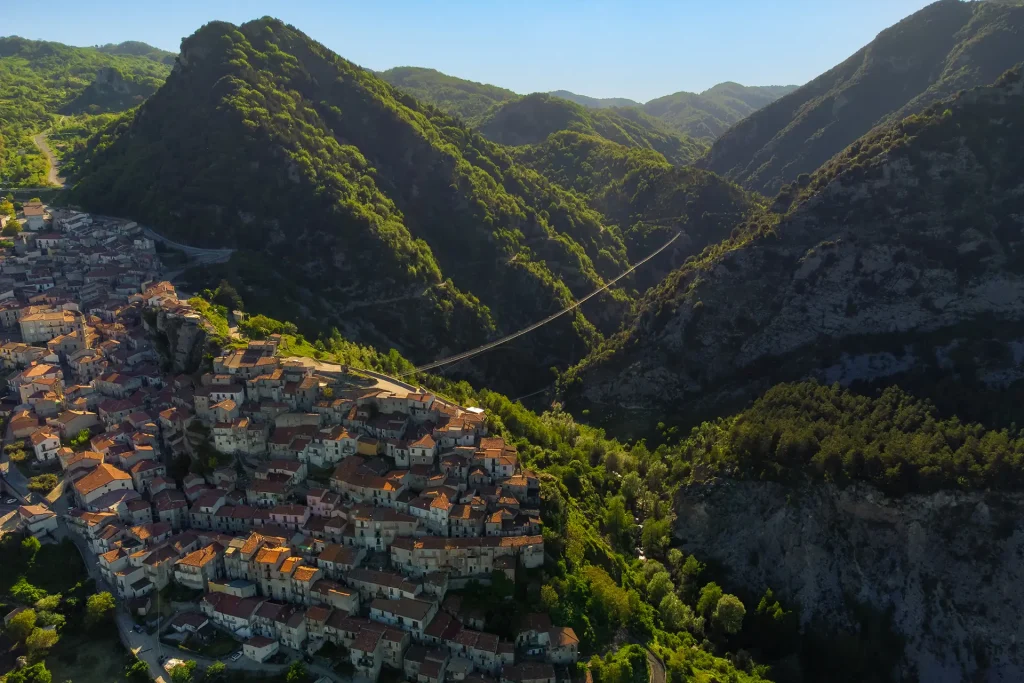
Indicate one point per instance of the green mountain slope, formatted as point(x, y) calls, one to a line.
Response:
point(707, 115)
point(901, 257)
point(945, 47)
point(39, 80)
point(456, 96)
point(644, 196)
point(139, 49)
point(352, 205)
point(594, 102)
point(531, 119)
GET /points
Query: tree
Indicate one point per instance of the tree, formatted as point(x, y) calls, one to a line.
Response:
point(729, 614)
point(689, 579)
point(30, 546)
point(709, 596)
point(297, 673)
point(42, 483)
point(80, 440)
point(184, 672)
point(215, 672)
point(617, 521)
point(99, 608)
point(37, 673)
point(39, 643)
point(675, 558)
point(21, 625)
point(675, 614)
point(659, 586)
point(12, 228)
point(548, 597)
point(138, 672)
point(631, 486)
point(655, 536)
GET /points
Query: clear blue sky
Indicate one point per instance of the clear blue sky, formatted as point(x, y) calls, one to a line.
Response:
point(639, 49)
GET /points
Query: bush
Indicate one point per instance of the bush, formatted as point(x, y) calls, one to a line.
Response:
point(43, 483)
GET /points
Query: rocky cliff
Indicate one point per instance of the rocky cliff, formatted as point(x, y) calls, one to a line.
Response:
point(181, 341)
point(947, 565)
point(909, 239)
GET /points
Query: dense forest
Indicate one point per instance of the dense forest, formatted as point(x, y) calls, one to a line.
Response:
point(466, 99)
point(40, 81)
point(531, 119)
point(698, 116)
point(706, 115)
point(945, 47)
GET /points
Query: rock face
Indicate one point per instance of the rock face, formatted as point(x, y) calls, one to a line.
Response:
point(911, 237)
point(948, 565)
point(181, 340)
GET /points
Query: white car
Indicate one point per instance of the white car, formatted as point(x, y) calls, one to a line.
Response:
point(10, 501)
point(235, 657)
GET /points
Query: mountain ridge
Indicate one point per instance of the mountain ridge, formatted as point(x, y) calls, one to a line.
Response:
point(945, 47)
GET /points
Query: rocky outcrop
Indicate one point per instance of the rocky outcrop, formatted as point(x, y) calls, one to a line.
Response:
point(911, 238)
point(947, 565)
point(181, 340)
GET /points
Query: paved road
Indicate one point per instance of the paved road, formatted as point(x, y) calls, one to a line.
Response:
point(198, 253)
point(44, 147)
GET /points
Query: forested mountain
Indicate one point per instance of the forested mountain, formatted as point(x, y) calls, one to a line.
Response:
point(531, 119)
point(353, 205)
point(702, 116)
point(901, 257)
point(459, 97)
point(707, 115)
point(39, 80)
point(594, 102)
point(647, 198)
point(138, 49)
point(945, 47)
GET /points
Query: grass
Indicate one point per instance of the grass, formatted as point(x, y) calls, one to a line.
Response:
point(82, 659)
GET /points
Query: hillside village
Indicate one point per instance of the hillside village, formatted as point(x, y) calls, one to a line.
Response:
point(320, 508)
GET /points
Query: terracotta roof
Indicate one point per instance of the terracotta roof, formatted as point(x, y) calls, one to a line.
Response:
point(203, 556)
point(102, 475)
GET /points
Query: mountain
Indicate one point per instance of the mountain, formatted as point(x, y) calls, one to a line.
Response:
point(352, 205)
point(646, 198)
point(39, 80)
point(459, 97)
point(702, 116)
point(945, 47)
point(594, 102)
point(900, 259)
point(707, 115)
point(531, 119)
point(138, 49)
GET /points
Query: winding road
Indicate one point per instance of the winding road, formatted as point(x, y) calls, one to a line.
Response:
point(52, 178)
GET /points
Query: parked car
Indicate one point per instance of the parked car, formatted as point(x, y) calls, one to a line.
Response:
point(236, 656)
point(10, 501)
point(138, 629)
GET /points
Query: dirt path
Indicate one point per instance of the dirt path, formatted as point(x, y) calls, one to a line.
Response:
point(52, 178)
point(657, 668)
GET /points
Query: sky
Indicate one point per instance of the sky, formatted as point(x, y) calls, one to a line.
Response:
point(639, 49)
